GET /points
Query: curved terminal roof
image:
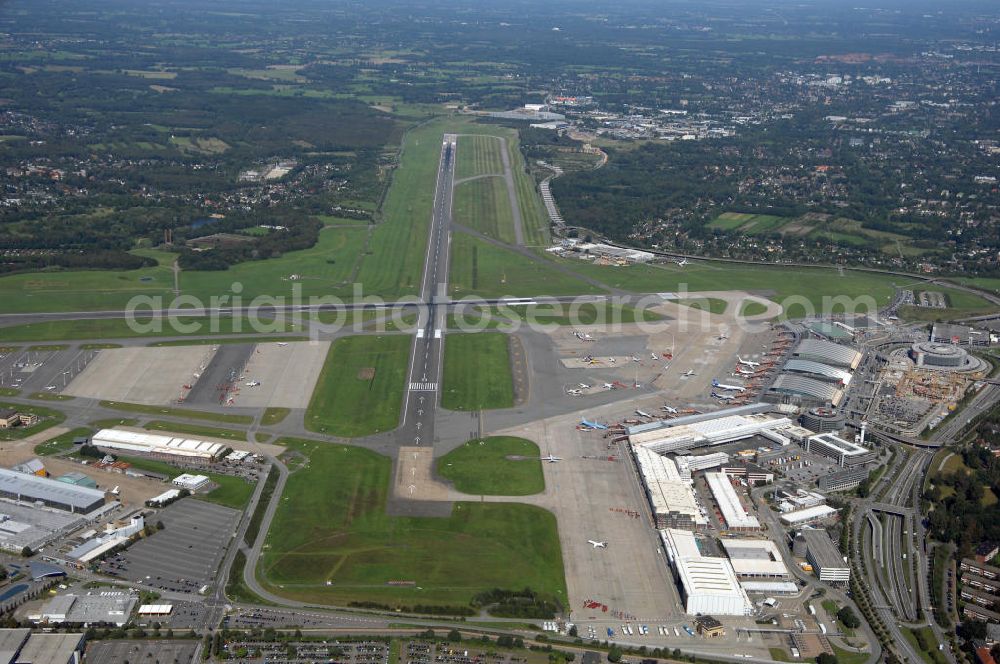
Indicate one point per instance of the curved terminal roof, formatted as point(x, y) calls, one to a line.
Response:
point(829, 352)
point(819, 369)
point(806, 387)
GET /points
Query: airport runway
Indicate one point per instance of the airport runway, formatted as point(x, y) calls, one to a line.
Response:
point(424, 377)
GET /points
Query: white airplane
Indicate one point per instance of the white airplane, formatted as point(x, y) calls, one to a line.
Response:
point(597, 545)
point(682, 262)
point(574, 393)
point(653, 356)
point(253, 383)
point(282, 343)
point(669, 409)
point(728, 388)
point(636, 359)
point(689, 372)
point(612, 360)
point(748, 363)
point(609, 386)
point(642, 413)
point(722, 397)
point(584, 386)
point(740, 371)
point(551, 459)
point(723, 336)
point(115, 491)
point(583, 336)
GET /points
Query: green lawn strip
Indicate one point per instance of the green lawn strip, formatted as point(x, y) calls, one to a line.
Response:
point(752, 308)
point(195, 430)
point(477, 155)
point(227, 340)
point(924, 642)
point(779, 654)
point(112, 422)
point(62, 442)
point(99, 346)
point(227, 418)
point(360, 390)
point(477, 372)
point(483, 467)
point(711, 304)
point(47, 418)
point(231, 491)
point(534, 218)
point(9, 391)
point(47, 348)
point(50, 396)
point(274, 415)
point(483, 204)
point(120, 328)
point(483, 269)
point(339, 532)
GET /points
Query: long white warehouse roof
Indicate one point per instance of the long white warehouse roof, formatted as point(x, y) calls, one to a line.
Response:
point(711, 586)
point(808, 514)
point(754, 557)
point(667, 491)
point(729, 503)
point(151, 443)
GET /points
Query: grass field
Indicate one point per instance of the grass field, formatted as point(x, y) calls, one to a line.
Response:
point(483, 467)
point(118, 328)
point(710, 304)
point(960, 304)
point(274, 416)
point(226, 418)
point(195, 430)
point(477, 372)
point(360, 389)
point(63, 442)
point(583, 313)
point(339, 532)
point(231, 491)
point(480, 268)
point(794, 287)
point(483, 204)
point(751, 308)
point(477, 155)
point(534, 218)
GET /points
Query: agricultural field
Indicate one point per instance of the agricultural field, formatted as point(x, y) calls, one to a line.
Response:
point(483, 204)
point(483, 269)
point(477, 155)
point(333, 543)
point(477, 372)
point(360, 389)
point(494, 466)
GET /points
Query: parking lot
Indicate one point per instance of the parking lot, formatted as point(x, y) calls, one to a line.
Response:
point(117, 652)
point(43, 370)
point(185, 555)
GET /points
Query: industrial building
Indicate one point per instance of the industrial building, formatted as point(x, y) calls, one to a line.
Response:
point(819, 371)
point(33, 527)
point(107, 607)
point(112, 536)
point(190, 482)
point(77, 479)
point(843, 480)
point(705, 429)
point(845, 453)
point(135, 442)
point(686, 465)
point(826, 559)
point(733, 513)
point(943, 333)
point(707, 585)
point(827, 352)
point(751, 473)
point(31, 467)
point(20, 646)
point(26, 488)
point(671, 500)
point(944, 357)
point(755, 559)
point(790, 501)
point(808, 515)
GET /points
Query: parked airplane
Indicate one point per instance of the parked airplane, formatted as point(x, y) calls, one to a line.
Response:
point(583, 336)
point(282, 343)
point(635, 358)
point(584, 386)
point(748, 363)
point(728, 388)
point(682, 262)
point(609, 386)
point(740, 371)
point(574, 393)
point(652, 356)
point(669, 409)
point(642, 413)
point(253, 383)
point(115, 491)
point(722, 397)
point(592, 425)
point(689, 372)
point(598, 545)
point(551, 459)
point(723, 336)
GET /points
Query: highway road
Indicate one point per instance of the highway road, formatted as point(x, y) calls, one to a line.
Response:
point(424, 377)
